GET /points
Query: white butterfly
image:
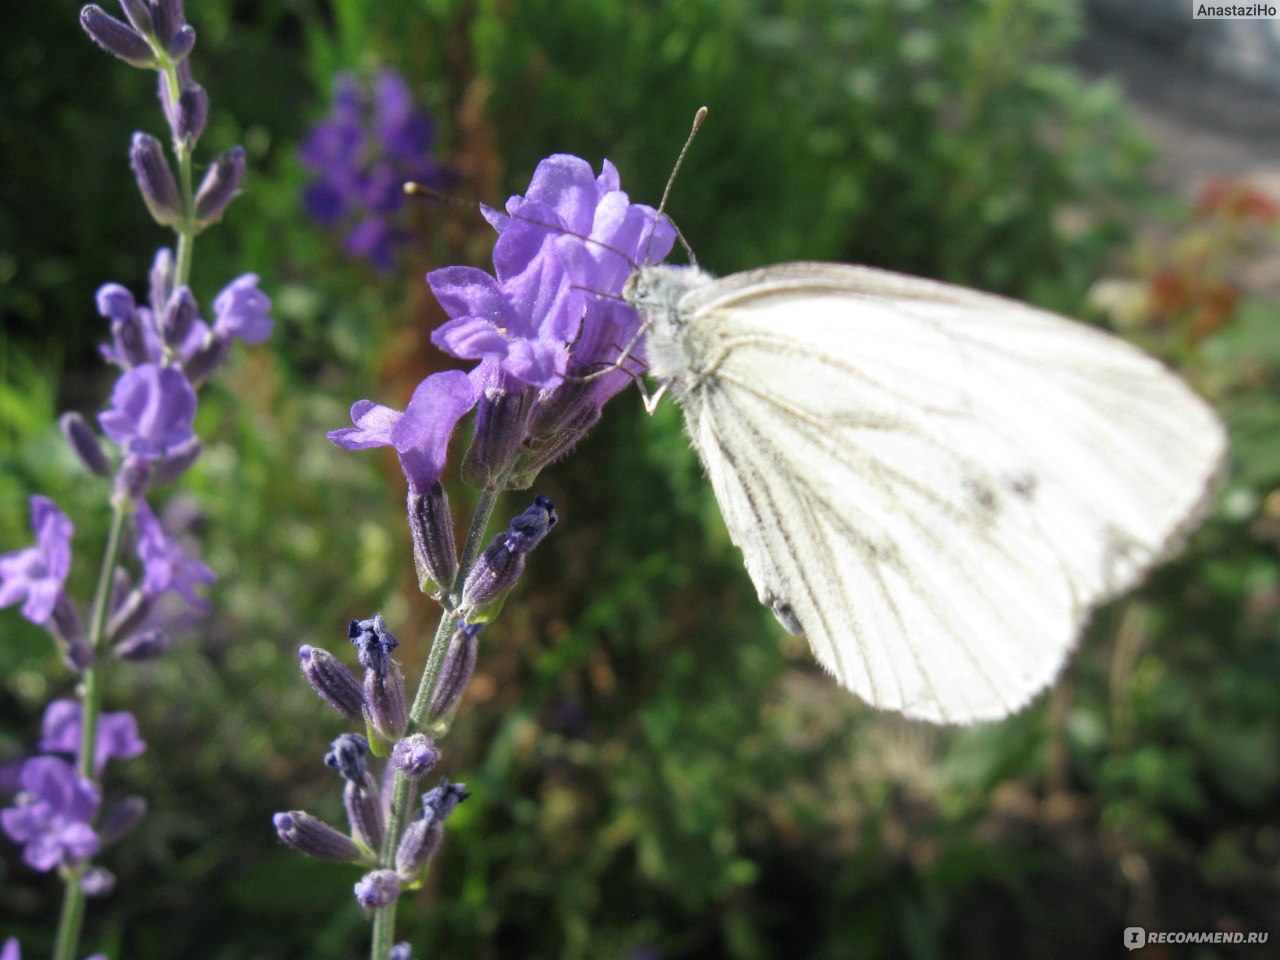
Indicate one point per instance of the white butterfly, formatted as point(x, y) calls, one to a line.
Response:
point(935, 485)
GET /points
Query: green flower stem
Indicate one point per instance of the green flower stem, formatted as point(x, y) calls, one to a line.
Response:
point(72, 916)
point(186, 229)
point(384, 920)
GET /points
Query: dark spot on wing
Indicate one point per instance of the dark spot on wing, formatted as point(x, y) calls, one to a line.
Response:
point(1023, 486)
point(785, 614)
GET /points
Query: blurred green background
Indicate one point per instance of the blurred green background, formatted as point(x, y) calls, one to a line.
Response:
point(657, 771)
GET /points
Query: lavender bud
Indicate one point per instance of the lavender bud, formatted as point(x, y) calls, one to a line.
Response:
point(78, 656)
point(435, 555)
point(163, 272)
point(181, 43)
point(557, 424)
point(219, 187)
point(97, 882)
point(116, 304)
point(170, 468)
point(346, 755)
point(81, 438)
point(139, 14)
point(502, 562)
point(155, 180)
point(121, 817)
point(134, 477)
point(315, 838)
point(129, 612)
point(65, 621)
point(373, 641)
point(441, 800)
point(364, 812)
point(117, 37)
point(502, 418)
point(401, 951)
point(205, 362)
point(418, 844)
point(455, 672)
point(415, 755)
point(147, 645)
point(168, 17)
point(384, 701)
point(191, 113)
point(334, 682)
point(377, 889)
point(178, 317)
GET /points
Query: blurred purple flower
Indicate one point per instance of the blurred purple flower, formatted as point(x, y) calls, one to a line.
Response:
point(152, 411)
point(116, 737)
point(362, 153)
point(421, 434)
point(240, 311)
point(51, 816)
point(137, 333)
point(165, 564)
point(36, 574)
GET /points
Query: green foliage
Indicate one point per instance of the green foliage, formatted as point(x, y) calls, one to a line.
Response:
point(654, 765)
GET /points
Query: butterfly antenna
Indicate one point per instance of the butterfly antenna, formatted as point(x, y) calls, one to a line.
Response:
point(698, 118)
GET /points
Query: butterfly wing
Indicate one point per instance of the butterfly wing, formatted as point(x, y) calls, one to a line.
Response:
point(935, 485)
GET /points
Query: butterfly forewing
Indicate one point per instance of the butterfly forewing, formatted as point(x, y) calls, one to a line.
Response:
point(935, 485)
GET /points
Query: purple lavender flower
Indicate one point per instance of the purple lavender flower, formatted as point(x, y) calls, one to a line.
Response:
point(550, 316)
point(165, 564)
point(374, 642)
point(152, 411)
point(51, 815)
point(240, 311)
point(116, 737)
point(36, 574)
point(421, 434)
point(372, 142)
point(138, 333)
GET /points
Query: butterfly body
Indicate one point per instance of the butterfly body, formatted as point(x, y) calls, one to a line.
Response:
point(936, 486)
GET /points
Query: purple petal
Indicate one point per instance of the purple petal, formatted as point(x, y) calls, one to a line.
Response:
point(470, 338)
point(241, 311)
point(152, 412)
point(422, 435)
point(373, 426)
point(566, 184)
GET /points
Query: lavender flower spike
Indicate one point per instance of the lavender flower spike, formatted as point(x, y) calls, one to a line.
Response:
point(36, 575)
point(51, 816)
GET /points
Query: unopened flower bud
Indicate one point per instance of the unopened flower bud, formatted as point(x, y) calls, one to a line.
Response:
point(168, 18)
point(347, 755)
point(206, 361)
point(65, 620)
point(219, 187)
point(315, 838)
point(334, 682)
point(455, 672)
point(441, 800)
point(415, 755)
point(418, 844)
point(191, 114)
point(147, 645)
point(139, 14)
point(155, 179)
point(401, 951)
point(435, 555)
point(129, 612)
point(134, 477)
point(116, 304)
point(364, 812)
point(117, 37)
point(377, 889)
point(373, 641)
point(502, 562)
point(81, 438)
point(162, 277)
point(179, 317)
point(502, 418)
point(384, 701)
point(177, 462)
point(182, 43)
point(121, 817)
point(97, 882)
